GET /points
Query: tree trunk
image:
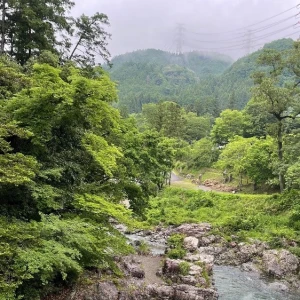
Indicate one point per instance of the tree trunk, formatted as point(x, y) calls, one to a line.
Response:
point(75, 48)
point(280, 155)
point(241, 180)
point(3, 2)
point(11, 45)
point(254, 186)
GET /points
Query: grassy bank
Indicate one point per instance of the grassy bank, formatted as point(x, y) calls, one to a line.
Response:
point(275, 219)
point(216, 175)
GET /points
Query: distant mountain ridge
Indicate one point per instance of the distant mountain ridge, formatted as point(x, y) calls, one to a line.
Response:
point(200, 82)
point(196, 61)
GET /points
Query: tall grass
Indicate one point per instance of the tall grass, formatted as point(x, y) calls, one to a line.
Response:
point(275, 218)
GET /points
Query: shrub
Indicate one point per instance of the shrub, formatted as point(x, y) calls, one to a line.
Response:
point(184, 268)
point(285, 201)
point(177, 253)
point(294, 219)
point(295, 251)
point(195, 204)
point(176, 240)
point(38, 256)
point(175, 243)
point(242, 223)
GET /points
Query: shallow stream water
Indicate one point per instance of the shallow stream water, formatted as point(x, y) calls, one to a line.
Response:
point(234, 284)
point(156, 247)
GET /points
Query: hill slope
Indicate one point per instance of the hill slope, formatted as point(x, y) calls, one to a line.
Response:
point(152, 75)
point(201, 83)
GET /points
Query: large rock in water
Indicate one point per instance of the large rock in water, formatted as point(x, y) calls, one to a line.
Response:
point(190, 243)
point(280, 263)
point(180, 292)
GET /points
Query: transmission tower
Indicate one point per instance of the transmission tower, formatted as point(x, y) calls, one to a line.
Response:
point(179, 38)
point(249, 37)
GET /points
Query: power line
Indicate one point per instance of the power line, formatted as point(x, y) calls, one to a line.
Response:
point(241, 47)
point(272, 17)
point(273, 24)
point(253, 30)
point(245, 41)
point(272, 33)
point(245, 27)
point(246, 38)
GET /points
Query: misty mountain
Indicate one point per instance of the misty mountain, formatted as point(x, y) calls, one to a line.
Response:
point(201, 83)
point(233, 86)
point(147, 76)
point(201, 64)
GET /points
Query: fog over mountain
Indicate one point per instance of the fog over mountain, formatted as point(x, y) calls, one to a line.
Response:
point(204, 25)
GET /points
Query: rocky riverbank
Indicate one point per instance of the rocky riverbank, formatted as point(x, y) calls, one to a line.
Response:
point(279, 265)
point(190, 278)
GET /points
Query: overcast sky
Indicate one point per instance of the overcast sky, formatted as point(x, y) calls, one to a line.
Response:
point(142, 24)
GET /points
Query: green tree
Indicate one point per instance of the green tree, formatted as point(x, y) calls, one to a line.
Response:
point(15, 167)
point(91, 39)
point(145, 166)
point(258, 160)
point(29, 27)
point(293, 175)
point(232, 157)
point(291, 156)
point(248, 156)
point(229, 124)
point(66, 160)
point(196, 127)
point(153, 116)
point(168, 118)
point(278, 100)
point(257, 122)
point(200, 154)
point(12, 79)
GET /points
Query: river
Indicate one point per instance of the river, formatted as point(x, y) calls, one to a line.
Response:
point(234, 284)
point(231, 282)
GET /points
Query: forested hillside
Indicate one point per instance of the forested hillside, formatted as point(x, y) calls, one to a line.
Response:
point(149, 76)
point(201, 83)
point(232, 88)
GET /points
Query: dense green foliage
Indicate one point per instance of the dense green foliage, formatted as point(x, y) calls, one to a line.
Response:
point(29, 27)
point(67, 159)
point(271, 218)
point(260, 142)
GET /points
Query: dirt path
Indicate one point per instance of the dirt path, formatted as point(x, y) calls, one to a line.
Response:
point(150, 264)
point(177, 180)
point(209, 185)
point(204, 188)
